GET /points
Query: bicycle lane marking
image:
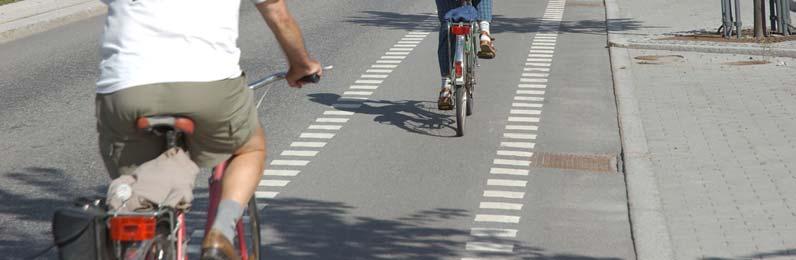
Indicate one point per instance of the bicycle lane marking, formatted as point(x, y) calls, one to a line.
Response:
point(498, 216)
point(289, 162)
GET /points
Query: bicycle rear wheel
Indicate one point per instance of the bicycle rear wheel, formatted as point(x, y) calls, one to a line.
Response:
point(461, 103)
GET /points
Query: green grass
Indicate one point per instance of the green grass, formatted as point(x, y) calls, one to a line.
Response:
point(2, 2)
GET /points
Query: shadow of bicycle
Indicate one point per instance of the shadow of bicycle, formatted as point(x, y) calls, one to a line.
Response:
point(413, 116)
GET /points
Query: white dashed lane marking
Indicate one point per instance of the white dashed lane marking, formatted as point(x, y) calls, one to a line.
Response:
point(513, 157)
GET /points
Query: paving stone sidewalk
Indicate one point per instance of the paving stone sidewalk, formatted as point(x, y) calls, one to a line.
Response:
point(723, 147)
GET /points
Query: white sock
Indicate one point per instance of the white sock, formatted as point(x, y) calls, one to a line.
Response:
point(485, 28)
point(446, 82)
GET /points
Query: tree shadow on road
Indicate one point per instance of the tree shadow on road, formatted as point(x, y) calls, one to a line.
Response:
point(26, 210)
point(412, 116)
point(313, 229)
point(396, 21)
point(500, 24)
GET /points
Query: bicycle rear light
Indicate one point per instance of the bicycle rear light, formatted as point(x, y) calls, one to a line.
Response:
point(132, 228)
point(460, 29)
point(458, 68)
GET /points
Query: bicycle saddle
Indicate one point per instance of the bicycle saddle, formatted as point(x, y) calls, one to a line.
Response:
point(466, 13)
point(150, 123)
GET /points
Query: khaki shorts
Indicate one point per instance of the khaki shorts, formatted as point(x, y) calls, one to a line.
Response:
point(223, 112)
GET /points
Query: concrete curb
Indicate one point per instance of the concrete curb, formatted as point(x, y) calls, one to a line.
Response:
point(648, 223)
point(48, 20)
point(762, 51)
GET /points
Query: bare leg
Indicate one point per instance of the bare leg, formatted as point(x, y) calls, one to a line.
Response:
point(245, 170)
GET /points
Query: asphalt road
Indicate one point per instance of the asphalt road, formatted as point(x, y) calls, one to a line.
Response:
point(392, 182)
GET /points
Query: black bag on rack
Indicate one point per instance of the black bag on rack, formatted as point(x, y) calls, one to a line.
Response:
point(80, 232)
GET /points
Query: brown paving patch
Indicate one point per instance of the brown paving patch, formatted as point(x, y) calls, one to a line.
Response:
point(601, 163)
point(659, 59)
point(747, 62)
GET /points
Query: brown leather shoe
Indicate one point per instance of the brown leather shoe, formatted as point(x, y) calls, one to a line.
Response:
point(487, 50)
point(217, 247)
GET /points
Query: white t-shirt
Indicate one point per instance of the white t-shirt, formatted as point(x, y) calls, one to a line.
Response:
point(159, 41)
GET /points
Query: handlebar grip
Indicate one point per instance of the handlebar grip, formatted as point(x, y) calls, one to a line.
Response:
point(314, 78)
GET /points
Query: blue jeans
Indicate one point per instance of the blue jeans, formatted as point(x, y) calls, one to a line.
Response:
point(443, 6)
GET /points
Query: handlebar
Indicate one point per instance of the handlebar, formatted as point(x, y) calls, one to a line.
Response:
point(281, 75)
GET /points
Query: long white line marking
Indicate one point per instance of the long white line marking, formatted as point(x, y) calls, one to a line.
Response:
point(507, 171)
point(525, 112)
point(317, 135)
point(384, 66)
point(265, 194)
point(358, 93)
point(500, 205)
point(378, 71)
point(290, 162)
point(507, 183)
point(405, 45)
point(537, 69)
point(337, 113)
point(374, 76)
point(497, 218)
point(504, 194)
point(273, 183)
point(299, 153)
point(530, 92)
point(538, 64)
point(393, 57)
point(489, 247)
point(401, 49)
point(368, 81)
point(526, 105)
point(389, 61)
point(289, 173)
point(522, 127)
point(325, 127)
point(527, 145)
point(396, 53)
point(331, 120)
point(493, 232)
point(519, 136)
point(514, 153)
point(511, 162)
point(370, 87)
point(524, 98)
point(533, 80)
point(524, 119)
point(308, 144)
point(540, 55)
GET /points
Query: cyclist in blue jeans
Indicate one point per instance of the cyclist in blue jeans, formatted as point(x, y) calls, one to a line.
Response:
point(487, 49)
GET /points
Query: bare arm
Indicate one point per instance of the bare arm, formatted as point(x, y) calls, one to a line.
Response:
point(288, 34)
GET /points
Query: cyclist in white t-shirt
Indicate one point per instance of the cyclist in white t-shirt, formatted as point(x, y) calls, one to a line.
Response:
point(180, 57)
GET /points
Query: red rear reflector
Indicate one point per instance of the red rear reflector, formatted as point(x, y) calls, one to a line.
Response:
point(458, 68)
point(132, 228)
point(460, 29)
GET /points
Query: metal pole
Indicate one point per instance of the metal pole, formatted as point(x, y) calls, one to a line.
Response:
point(763, 17)
point(773, 14)
point(758, 29)
point(738, 23)
point(725, 20)
point(785, 20)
